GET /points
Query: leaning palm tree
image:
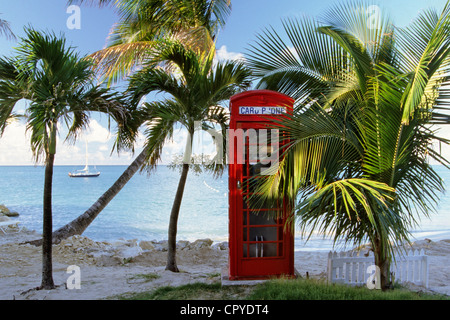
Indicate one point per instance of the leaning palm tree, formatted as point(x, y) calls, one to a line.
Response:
point(124, 53)
point(59, 86)
point(358, 159)
point(194, 90)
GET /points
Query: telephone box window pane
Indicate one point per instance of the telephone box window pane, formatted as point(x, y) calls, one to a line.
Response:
point(260, 250)
point(254, 250)
point(261, 218)
point(269, 249)
point(255, 202)
point(263, 234)
point(257, 168)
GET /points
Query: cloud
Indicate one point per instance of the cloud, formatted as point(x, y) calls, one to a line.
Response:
point(96, 133)
point(174, 146)
point(224, 54)
point(15, 145)
point(443, 149)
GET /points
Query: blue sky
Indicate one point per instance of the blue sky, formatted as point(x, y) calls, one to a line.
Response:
point(248, 18)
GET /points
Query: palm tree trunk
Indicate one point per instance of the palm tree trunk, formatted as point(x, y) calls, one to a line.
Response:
point(80, 224)
point(47, 265)
point(382, 261)
point(173, 222)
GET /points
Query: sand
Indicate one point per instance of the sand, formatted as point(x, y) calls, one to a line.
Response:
point(107, 269)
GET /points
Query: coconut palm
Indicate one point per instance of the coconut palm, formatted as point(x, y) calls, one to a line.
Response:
point(58, 85)
point(142, 23)
point(194, 91)
point(122, 55)
point(358, 162)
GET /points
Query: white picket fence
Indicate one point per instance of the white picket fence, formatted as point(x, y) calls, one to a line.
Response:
point(353, 269)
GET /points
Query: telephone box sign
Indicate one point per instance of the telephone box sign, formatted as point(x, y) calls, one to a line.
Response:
point(261, 110)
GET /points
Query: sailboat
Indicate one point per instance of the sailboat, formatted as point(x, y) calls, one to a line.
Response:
point(85, 172)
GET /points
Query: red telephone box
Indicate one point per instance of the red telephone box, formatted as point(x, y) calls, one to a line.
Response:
point(259, 244)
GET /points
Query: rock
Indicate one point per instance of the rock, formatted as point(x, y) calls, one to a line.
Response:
point(220, 246)
point(4, 209)
point(147, 245)
point(162, 245)
point(4, 218)
point(201, 243)
point(120, 242)
point(12, 214)
point(105, 259)
point(97, 254)
point(129, 252)
point(183, 245)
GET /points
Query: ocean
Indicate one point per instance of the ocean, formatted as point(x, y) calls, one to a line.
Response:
point(141, 210)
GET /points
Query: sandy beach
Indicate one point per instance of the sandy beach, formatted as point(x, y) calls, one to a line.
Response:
point(107, 269)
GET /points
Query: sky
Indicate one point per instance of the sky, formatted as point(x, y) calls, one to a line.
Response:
point(248, 18)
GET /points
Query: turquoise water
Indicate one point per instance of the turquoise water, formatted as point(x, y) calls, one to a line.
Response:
point(141, 210)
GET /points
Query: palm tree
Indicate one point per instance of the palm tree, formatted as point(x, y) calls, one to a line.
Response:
point(194, 91)
point(143, 23)
point(59, 87)
point(128, 51)
point(358, 162)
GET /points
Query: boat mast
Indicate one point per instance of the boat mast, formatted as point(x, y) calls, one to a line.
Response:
point(86, 168)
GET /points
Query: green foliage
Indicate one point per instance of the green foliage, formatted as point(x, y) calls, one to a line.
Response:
point(193, 92)
point(302, 289)
point(59, 87)
point(142, 24)
point(280, 289)
point(358, 159)
point(194, 291)
point(5, 30)
point(147, 277)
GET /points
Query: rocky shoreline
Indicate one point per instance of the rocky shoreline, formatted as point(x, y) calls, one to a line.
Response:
point(103, 253)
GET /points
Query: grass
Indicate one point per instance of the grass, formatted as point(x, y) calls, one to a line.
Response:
point(146, 277)
point(302, 289)
point(195, 291)
point(280, 289)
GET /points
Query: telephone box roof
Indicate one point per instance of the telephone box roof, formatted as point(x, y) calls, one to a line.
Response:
point(259, 105)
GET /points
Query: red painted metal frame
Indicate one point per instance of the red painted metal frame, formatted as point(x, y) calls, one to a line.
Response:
point(241, 267)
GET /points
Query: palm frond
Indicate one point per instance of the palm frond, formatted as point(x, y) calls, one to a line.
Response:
point(58, 83)
point(144, 23)
point(119, 61)
point(359, 142)
point(5, 30)
point(425, 50)
point(99, 3)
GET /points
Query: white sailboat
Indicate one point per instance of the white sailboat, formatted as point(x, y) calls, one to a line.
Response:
point(85, 172)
